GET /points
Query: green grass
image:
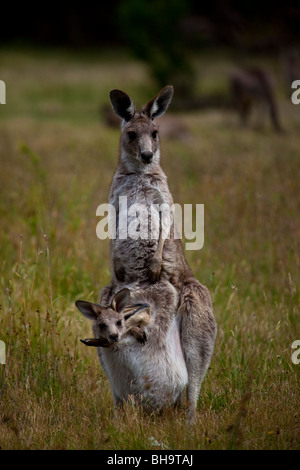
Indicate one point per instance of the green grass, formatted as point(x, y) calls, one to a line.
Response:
point(57, 160)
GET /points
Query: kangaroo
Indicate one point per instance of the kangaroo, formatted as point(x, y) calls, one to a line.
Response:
point(253, 86)
point(291, 67)
point(136, 261)
point(112, 323)
point(154, 374)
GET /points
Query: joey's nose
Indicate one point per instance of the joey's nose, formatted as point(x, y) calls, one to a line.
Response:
point(113, 337)
point(147, 156)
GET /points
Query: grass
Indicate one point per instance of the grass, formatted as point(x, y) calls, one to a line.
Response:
point(57, 160)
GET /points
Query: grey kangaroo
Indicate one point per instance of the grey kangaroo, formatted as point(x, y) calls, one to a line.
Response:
point(252, 86)
point(137, 262)
point(154, 374)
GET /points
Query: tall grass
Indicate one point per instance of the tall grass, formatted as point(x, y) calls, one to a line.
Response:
point(55, 170)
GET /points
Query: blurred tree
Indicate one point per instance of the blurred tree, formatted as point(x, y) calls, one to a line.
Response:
point(152, 29)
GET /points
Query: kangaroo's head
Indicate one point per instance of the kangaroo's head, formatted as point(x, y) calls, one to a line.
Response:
point(109, 322)
point(140, 139)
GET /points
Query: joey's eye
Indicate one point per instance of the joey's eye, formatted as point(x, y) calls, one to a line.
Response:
point(131, 135)
point(119, 323)
point(154, 134)
point(102, 326)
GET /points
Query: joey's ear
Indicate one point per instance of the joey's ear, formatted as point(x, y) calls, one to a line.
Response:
point(139, 313)
point(159, 104)
point(88, 309)
point(120, 300)
point(122, 104)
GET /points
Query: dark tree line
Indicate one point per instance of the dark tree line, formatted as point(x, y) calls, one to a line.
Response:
point(85, 24)
point(164, 33)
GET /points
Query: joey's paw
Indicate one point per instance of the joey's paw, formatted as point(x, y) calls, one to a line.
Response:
point(155, 269)
point(139, 334)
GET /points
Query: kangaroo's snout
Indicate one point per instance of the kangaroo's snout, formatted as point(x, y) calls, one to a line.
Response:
point(114, 337)
point(147, 156)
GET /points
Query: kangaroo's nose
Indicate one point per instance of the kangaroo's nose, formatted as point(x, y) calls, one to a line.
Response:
point(147, 156)
point(114, 337)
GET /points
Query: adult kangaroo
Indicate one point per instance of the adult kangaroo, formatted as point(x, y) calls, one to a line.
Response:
point(252, 86)
point(136, 260)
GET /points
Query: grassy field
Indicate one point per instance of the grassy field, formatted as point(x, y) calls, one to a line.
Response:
point(57, 160)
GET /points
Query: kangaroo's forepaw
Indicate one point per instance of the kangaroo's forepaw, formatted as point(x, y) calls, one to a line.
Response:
point(139, 334)
point(155, 269)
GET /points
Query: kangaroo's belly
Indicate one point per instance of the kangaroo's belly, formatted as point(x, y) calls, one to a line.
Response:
point(157, 376)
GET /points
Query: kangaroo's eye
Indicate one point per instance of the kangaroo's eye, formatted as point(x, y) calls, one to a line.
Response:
point(119, 323)
point(102, 326)
point(154, 134)
point(131, 135)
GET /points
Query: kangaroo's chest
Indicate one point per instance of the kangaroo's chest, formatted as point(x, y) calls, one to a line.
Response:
point(137, 204)
point(139, 190)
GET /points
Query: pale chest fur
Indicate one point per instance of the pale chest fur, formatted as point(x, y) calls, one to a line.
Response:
point(134, 197)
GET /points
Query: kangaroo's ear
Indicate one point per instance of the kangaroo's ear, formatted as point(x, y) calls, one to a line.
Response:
point(88, 309)
point(120, 300)
point(137, 314)
point(122, 104)
point(159, 104)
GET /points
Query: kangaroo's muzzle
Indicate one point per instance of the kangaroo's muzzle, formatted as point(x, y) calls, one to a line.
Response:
point(147, 156)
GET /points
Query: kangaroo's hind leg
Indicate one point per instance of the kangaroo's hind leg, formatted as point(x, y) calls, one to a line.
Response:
point(198, 333)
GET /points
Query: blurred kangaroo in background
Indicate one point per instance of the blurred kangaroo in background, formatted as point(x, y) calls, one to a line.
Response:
point(250, 87)
point(291, 67)
point(135, 262)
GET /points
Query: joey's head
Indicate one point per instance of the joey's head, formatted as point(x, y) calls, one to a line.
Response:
point(108, 322)
point(140, 133)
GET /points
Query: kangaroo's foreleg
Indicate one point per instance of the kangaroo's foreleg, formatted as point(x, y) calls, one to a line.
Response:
point(156, 262)
point(165, 222)
point(163, 299)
